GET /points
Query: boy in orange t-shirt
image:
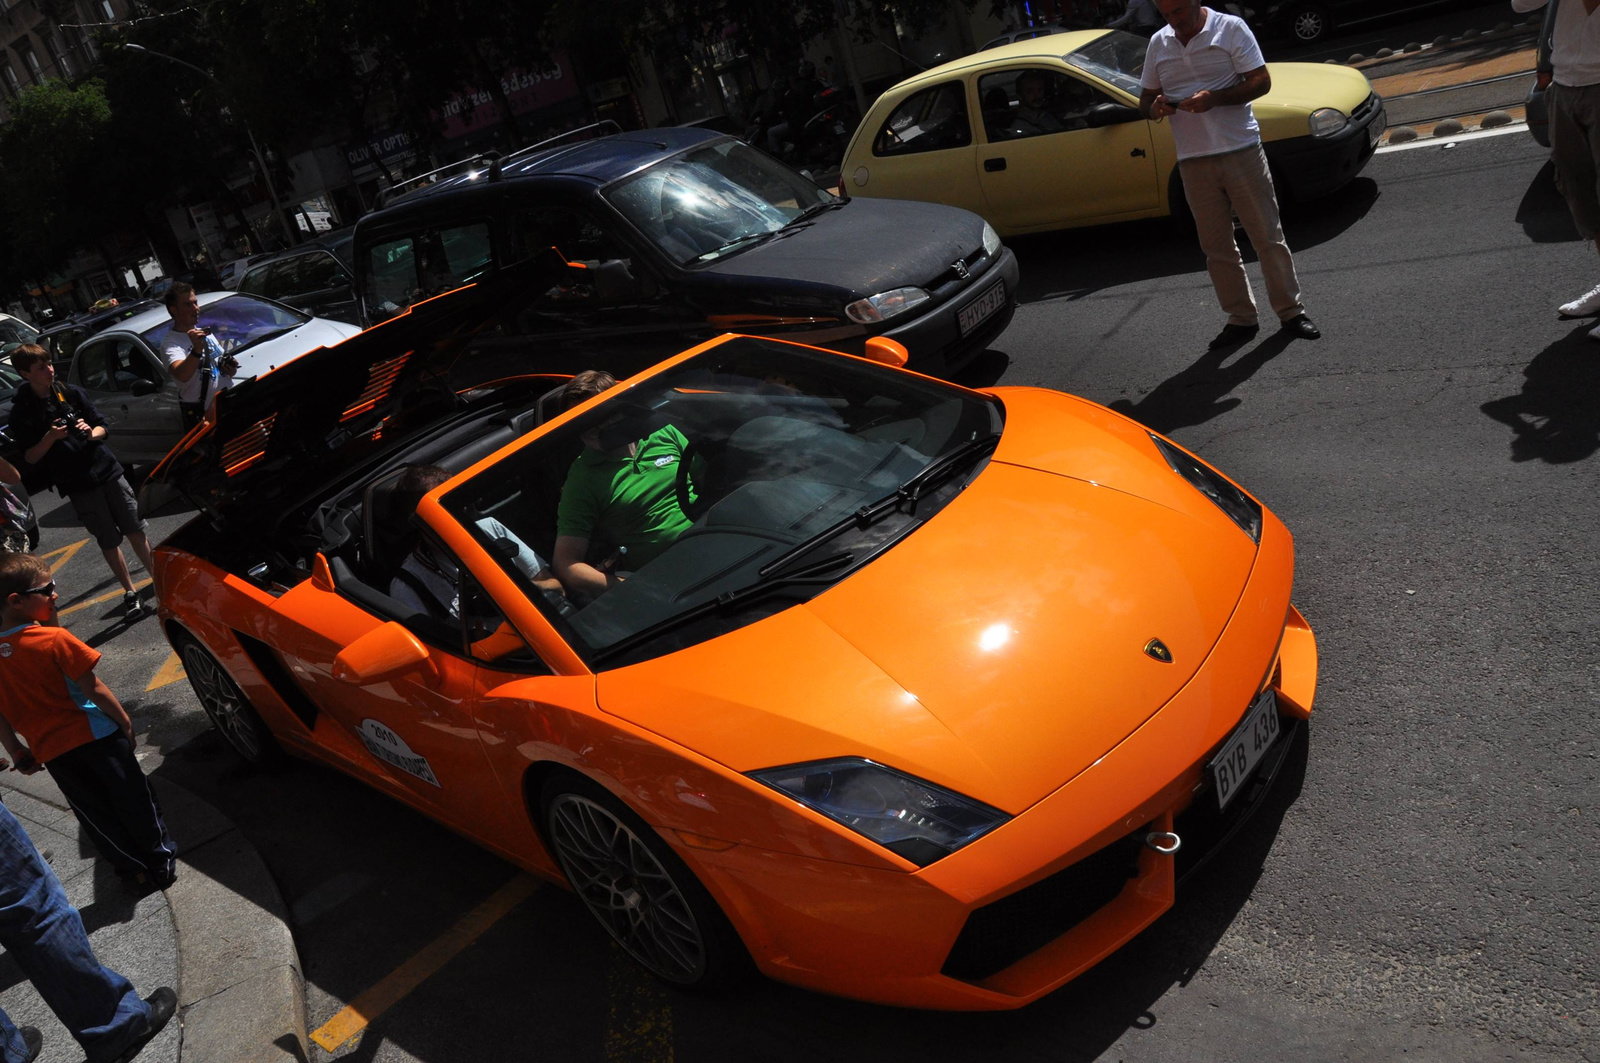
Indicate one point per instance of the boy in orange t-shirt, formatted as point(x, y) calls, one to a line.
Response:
point(75, 728)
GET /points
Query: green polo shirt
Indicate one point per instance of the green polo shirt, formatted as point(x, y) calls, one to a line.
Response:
point(632, 502)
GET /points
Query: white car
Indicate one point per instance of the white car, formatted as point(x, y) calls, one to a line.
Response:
point(127, 379)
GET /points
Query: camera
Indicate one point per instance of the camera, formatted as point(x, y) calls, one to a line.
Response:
point(228, 364)
point(70, 423)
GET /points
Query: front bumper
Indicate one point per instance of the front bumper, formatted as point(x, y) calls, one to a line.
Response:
point(1061, 886)
point(1314, 166)
point(934, 339)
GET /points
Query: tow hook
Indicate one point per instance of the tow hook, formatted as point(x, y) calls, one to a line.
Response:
point(1163, 841)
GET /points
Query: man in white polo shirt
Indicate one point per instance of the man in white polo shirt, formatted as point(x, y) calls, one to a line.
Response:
point(1203, 69)
point(1574, 104)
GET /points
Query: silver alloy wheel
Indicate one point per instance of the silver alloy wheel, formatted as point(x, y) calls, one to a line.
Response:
point(223, 702)
point(1309, 25)
point(627, 888)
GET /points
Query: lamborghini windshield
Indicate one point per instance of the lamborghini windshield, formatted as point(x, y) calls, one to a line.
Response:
point(729, 487)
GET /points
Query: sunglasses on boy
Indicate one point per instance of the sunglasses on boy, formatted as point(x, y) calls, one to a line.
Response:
point(47, 590)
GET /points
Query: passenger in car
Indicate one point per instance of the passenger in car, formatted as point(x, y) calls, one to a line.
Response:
point(622, 489)
point(430, 583)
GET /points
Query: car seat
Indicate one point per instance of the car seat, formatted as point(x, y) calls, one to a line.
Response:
point(387, 535)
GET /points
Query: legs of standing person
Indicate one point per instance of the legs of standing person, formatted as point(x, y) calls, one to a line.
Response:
point(109, 512)
point(113, 800)
point(1575, 150)
point(44, 934)
point(1205, 187)
point(1249, 184)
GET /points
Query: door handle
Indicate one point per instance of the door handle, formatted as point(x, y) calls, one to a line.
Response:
point(1136, 153)
point(994, 165)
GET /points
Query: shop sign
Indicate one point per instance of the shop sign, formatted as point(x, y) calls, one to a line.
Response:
point(525, 90)
point(391, 146)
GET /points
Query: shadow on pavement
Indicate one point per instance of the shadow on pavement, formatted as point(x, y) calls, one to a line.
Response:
point(984, 371)
point(1076, 263)
point(1543, 212)
point(1202, 391)
point(1556, 417)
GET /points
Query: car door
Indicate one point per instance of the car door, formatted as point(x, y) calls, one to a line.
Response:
point(151, 419)
point(410, 733)
point(94, 369)
point(1059, 150)
point(923, 149)
point(324, 288)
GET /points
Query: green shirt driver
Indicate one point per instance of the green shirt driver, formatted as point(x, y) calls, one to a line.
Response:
point(626, 495)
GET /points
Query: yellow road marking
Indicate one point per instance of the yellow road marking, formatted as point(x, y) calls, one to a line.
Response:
point(170, 672)
point(103, 598)
point(639, 1026)
point(366, 1007)
point(65, 554)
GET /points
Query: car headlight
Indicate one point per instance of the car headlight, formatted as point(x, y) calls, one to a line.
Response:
point(915, 819)
point(884, 305)
point(991, 240)
point(1240, 507)
point(1326, 121)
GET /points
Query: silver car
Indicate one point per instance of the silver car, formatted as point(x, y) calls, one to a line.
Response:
point(127, 379)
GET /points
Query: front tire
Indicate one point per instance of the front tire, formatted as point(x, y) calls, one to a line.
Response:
point(230, 711)
point(636, 887)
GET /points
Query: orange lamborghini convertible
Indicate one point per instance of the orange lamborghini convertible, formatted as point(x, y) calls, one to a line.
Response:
point(903, 692)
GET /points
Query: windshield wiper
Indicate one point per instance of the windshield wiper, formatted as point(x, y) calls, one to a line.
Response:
point(811, 212)
point(735, 243)
point(932, 475)
point(819, 572)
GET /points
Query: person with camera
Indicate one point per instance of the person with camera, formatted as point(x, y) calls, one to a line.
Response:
point(68, 444)
point(195, 357)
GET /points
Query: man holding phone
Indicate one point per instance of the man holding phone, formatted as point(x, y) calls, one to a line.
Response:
point(1202, 70)
point(195, 357)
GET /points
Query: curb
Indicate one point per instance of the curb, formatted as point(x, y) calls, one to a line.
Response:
point(241, 993)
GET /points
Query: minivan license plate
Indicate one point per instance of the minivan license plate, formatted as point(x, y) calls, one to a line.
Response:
point(980, 309)
point(1231, 768)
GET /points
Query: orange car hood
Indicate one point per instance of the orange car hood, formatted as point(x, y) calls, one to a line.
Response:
point(998, 650)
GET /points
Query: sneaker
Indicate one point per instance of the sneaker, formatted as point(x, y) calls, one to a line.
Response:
point(32, 1042)
point(163, 1002)
point(130, 602)
point(1594, 333)
point(1586, 305)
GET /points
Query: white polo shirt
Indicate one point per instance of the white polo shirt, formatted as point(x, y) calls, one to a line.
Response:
point(1219, 54)
point(1576, 51)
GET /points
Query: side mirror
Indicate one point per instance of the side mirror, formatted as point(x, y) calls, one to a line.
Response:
point(382, 653)
point(144, 387)
point(889, 352)
point(1105, 114)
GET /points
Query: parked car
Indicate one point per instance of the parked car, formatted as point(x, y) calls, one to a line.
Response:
point(1310, 21)
point(935, 703)
point(14, 332)
point(685, 234)
point(230, 271)
point(1027, 33)
point(125, 376)
point(1538, 106)
point(954, 135)
point(315, 277)
point(62, 340)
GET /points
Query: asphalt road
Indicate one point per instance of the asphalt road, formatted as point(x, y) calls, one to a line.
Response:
point(1421, 888)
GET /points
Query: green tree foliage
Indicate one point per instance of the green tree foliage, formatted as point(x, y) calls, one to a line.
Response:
point(50, 192)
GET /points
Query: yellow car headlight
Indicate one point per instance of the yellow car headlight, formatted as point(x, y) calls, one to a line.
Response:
point(1326, 121)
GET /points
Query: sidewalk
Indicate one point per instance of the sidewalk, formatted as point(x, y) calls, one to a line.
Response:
point(219, 936)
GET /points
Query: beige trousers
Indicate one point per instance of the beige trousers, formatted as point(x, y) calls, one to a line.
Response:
point(1238, 182)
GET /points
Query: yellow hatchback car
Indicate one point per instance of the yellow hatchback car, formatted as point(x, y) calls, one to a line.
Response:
point(1046, 134)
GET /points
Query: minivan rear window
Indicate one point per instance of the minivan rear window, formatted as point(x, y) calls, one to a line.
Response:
point(424, 264)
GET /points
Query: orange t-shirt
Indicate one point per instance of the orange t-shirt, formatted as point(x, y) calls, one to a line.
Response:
point(38, 697)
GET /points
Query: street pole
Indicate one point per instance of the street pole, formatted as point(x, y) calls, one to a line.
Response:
point(266, 175)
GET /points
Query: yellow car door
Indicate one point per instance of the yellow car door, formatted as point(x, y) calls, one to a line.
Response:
point(921, 150)
point(1058, 150)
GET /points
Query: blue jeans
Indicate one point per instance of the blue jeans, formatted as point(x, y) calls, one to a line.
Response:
point(43, 933)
